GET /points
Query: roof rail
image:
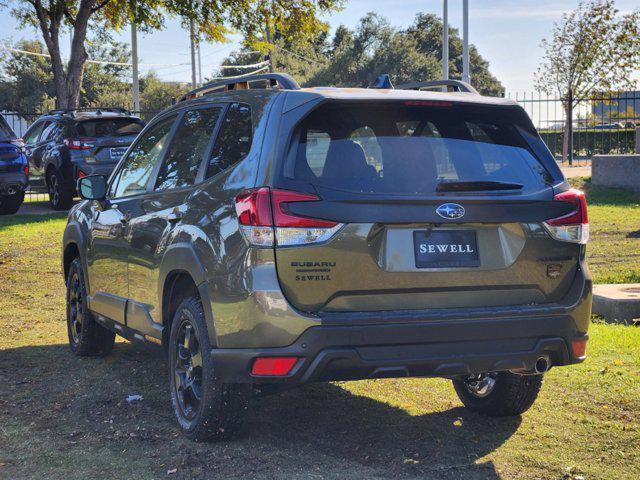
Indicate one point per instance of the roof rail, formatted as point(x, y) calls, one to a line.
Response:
point(459, 85)
point(282, 80)
point(98, 110)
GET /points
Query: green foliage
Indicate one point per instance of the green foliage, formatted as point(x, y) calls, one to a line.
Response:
point(589, 141)
point(156, 95)
point(592, 48)
point(357, 57)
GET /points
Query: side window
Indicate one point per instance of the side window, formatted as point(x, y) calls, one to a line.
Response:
point(187, 149)
point(234, 139)
point(134, 175)
point(33, 134)
point(49, 131)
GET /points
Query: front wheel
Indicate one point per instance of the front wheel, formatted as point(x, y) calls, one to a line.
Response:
point(205, 408)
point(498, 394)
point(9, 204)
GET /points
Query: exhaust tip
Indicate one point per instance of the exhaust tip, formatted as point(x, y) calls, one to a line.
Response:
point(542, 365)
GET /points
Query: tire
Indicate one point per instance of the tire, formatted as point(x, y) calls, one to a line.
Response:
point(510, 394)
point(206, 409)
point(87, 338)
point(60, 195)
point(10, 204)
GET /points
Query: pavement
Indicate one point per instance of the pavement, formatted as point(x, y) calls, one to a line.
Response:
point(617, 303)
point(576, 171)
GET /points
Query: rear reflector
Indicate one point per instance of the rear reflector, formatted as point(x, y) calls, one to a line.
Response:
point(265, 219)
point(273, 366)
point(574, 226)
point(579, 347)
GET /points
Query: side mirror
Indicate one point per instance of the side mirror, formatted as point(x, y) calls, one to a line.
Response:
point(93, 187)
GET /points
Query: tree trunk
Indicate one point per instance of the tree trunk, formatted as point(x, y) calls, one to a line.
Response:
point(67, 83)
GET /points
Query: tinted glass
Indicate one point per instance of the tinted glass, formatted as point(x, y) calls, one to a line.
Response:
point(54, 131)
point(33, 134)
point(138, 166)
point(107, 127)
point(234, 140)
point(5, 130)
point(188, 148)
point(409, 149)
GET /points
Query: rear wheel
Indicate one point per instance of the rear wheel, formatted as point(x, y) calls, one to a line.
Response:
point(498, 394)
point(10, 204)
point(86, 336)
point(205, 408)
point(60, 195)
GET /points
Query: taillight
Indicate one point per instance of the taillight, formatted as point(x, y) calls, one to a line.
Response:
point(81, 174)
point(79, 143)
point(574, 226)
point(265, 219)
point(26, 170)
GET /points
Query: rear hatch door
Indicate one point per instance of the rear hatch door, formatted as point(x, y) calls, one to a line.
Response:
point(440, 205)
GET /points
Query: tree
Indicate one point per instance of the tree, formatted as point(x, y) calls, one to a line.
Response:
point(212, 17)
point(28, 85)
point(357, 57)
point(591, 49)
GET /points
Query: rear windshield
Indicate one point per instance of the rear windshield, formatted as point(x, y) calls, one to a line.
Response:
point(5, 131)
point(414, 148)
point(107, 127)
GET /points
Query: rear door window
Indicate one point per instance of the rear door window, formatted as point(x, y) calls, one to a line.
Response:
point(33, 134)
point(407, 149)
point(234, 139)
point(188, 148)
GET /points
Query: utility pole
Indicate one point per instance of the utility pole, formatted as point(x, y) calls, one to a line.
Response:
point(466, 77)
point(445, 40)
point(134, 67)
point(192, 34)
point(270, 54)
point(199, 65)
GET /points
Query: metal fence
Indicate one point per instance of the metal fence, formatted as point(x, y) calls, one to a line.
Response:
point(602, 124)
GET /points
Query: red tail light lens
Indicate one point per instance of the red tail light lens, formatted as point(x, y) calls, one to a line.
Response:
point(81, 174)
point(265, 219)
point(79, 143)
point(574, 226)
point(273, 366)
point(26, 170)
point(254, 208)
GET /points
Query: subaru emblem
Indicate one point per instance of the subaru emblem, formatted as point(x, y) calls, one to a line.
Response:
point(450, 211)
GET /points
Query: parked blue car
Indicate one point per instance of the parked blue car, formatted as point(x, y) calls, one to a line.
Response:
point(14, 170)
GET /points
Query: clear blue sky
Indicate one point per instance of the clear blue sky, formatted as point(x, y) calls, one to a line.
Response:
point(506, 32)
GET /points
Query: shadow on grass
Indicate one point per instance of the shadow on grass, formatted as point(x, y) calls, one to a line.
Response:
point(322, 429)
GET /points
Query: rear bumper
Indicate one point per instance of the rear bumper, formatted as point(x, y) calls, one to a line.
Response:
point(420, 345)
point(12, 182)
point(93, 169)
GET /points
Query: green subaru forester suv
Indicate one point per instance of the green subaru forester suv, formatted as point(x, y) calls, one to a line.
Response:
point(268, 235)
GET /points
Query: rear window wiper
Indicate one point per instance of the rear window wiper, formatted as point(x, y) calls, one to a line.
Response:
point(473, 186)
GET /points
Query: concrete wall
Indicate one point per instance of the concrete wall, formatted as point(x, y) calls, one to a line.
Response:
point(621, 171)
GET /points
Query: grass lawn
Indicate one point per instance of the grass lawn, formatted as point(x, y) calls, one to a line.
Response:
point(614, 248)
point(62, 417)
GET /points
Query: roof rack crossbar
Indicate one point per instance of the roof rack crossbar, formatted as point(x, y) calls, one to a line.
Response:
point(282, 80)
point(62, 111)
point(457, 84)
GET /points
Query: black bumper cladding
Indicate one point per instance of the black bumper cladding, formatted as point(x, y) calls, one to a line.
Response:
point(416, 349)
